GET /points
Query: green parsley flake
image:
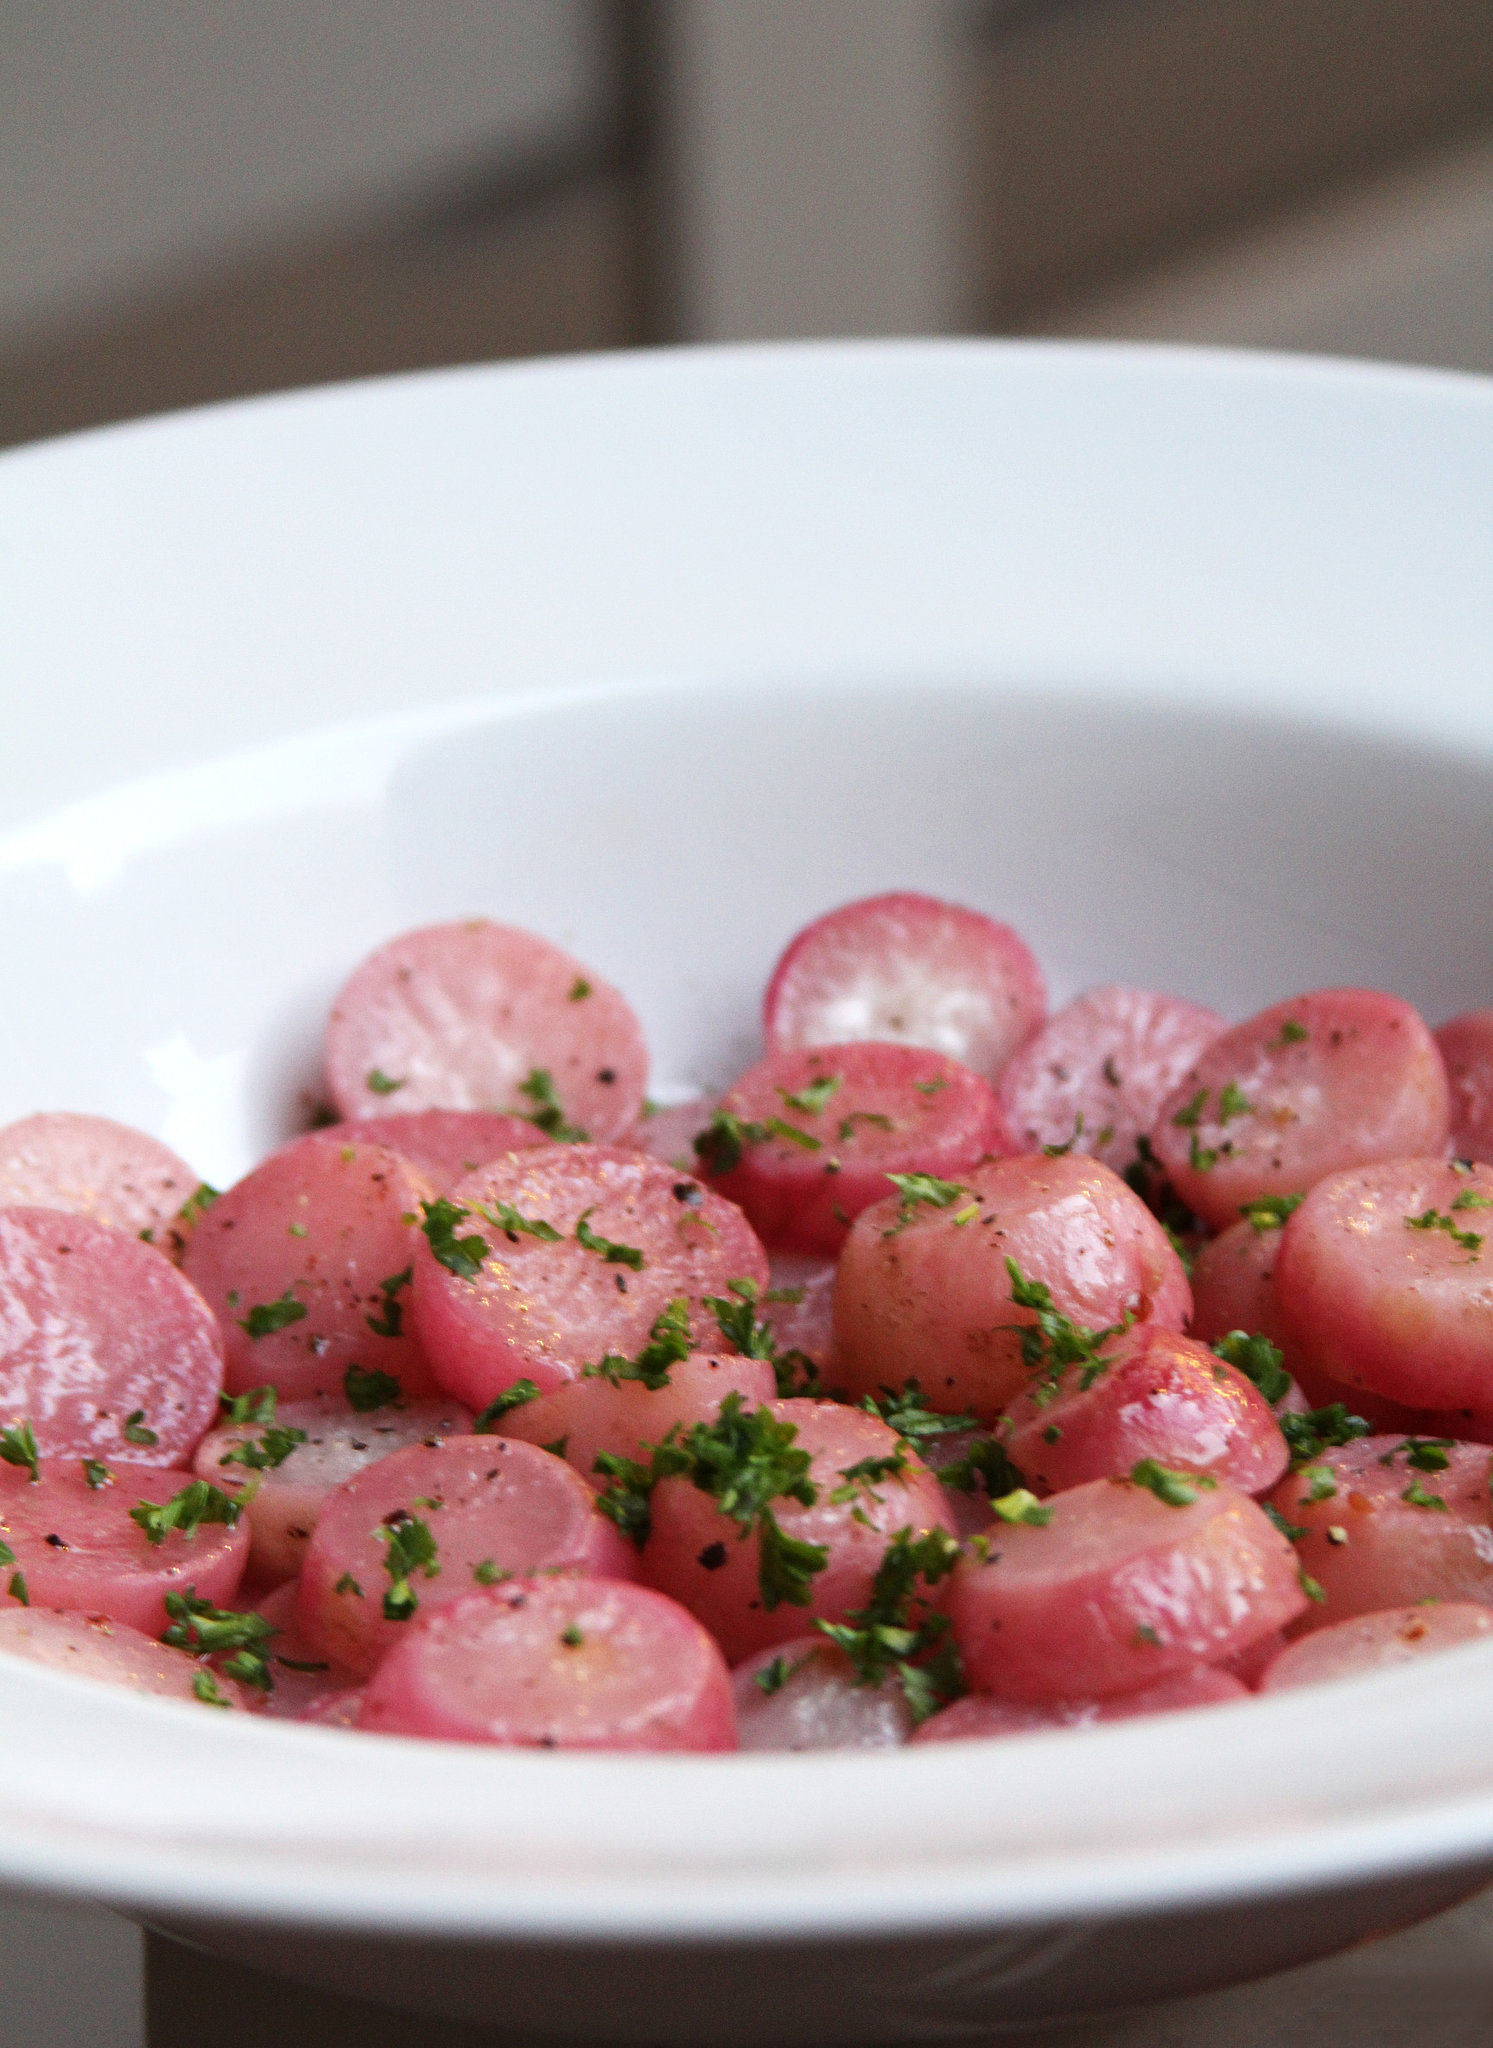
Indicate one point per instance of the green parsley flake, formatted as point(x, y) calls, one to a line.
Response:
point(378, 1083)
point(409, 1547)
point(18, 1447)
point(248, 1410)
point(348, 1584)
point(774, 1676)
point(571, 1636)
point(95, 1474)
point(1320, 1429)
point(17, 1589)
point(1144, 1633)
point(1061, 1151)
point(897, 1634)
point(1022, 1506)
point(1320, 1482)
point(813, 1098)
point(389, 1322)
point(1232, 1103)
point(1432, 1219)
point(486, 1572)
point(368, 1389)
point(208, 1690)
point(1052, 1345)
point(1189, 1118)
point(580, 988)
point(1468, 1200)
point(203, 1630)
point(919, 1190)
point(547, 1115)
point(1270, 1212)
point(186, 1512)
point(1260, 1362)
point(266, 1452)
point(612, 1253)
point(1417, 1497)
point(135, 1430)
point(1291, 1033)
point(863, 1116)
point(931, 1087)
point(1176, 1489)
point(516, 1396)
point(668, 1344)
point(463, 1256)
point(266, 1317)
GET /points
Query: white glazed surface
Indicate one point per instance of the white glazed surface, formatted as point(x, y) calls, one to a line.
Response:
point(1183, 663)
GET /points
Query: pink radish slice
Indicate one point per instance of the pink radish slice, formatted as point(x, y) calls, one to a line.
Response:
point(1385, 1276)
point(104, 1348)
point(978, 1717)
point(541, 1309)
point(1233, 1287)
point(92, 1167)
point(1376, 1642)
point(1119, 1589)
point(101, 1562)
point(669, 1134)
point(93, 1646)
point(910, 969)
point(499, 1507)
point(590, 1416)
point(929, 1298)
point(335, 1709)
point(813, 1701)
point(699, 1557)
point(557, 1664)
point(1341, 1077)
point(1249, 1666)
point(832, 1123)
point(1097, 1072)
point(1466, 1045)
point(327, 1228)
point(1160, 1396)
point(444, 1145)
point(300, 1690)
point(464, 1016)
point(1374, 1534)
point(340, 1441)
point(807, 1324)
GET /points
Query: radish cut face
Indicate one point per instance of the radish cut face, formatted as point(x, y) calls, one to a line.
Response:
point(804, 1695)
point(444, 1145)
point(91, 1166)
point(1376, 1642)
point(980, 1717)
point(93, 1646)
point(911, 970)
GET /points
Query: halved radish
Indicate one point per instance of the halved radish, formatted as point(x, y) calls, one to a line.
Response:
point(104, 1348)
point(94, 1167)
point(1390, 1520)
point(1377, 1642)
point(1159, 1395)
point(1233, 1286)
point(557, 1664)
point(1337, 1078)
point(1385, 1276)
point(444, 1145)
point(599, 1241)
point(806, 1139)
point(924, 1291)
point(488, 1507)
point(979, 1717)
point(1118, 1588)
point(803, 1695)
point(586, 1417)
point(71, 1542)
point(1097, 1072)
point(292, 1481)
point(94, 1646)
point(307, 1262)
point(1466, 1045)
point(305, 1682)
point(911, 969)
point(481, 1016)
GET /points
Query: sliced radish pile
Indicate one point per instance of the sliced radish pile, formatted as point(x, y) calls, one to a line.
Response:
point(557, 1664)
point(1118, 1589)
point(907, 970)
point(290, 1482)
point(74, 1544)
point(480, 1016)
point(489, 1507)
point(307, 1264)
point(804, 1694)
point(978, 1717)
point(93, 1646)
point(1338, 1078)
point(814, 1135)
point(1377, 1642)
point(924, 1291)
point(1391, 1520)
point(599, 1241)
point(1159, 1396)
point(1095, 1075)
point(1466, 1045)
point(104, 1348)
point(92, 1167)
point(444, 1145)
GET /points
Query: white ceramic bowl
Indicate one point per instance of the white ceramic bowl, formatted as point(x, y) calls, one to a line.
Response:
point(1182, 662)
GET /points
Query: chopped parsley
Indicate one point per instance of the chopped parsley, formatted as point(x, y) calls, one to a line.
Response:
point(378, 1082)
point(1176, 1489)
point(612, 1253)
point(1291, 1033)
point(208, 1690)
point(931, 1087)
point(186, 1512)
point(17, 1588)
point(795, 1372)
point(1061, 1151)
point(1052, 1345)
point(668, 1344)
point(463, 1256)
point(1433, 1219)
point(1292, 1531)
point(813, 1098)
point(873, 1117)
point(247, 1411)
point(923, 1190)
point(1418, 1497)
point(774, 1676)
point(18, 1447)
point(206, 1631)
point(266, 1317)
point(1188, 1118)
point(486, 1572)
point(197, 1203)
point(135, 1430)
point(95, 1474)
point(516, 1396)
point(1259, 1360)
point(907, 1413)
point(1270, 1212)
point(266, 1452)
point(348, 1584)
point(580, 988)
point(986, 1462)
point(408, 1547)
point(1320, 1483)
point(897, 1634)
point(1424, 1453)
point(389, 1322)
point(547, 1114)
point(1232, 1102)
point(1320, 1429)
point(869, 1473)
point(1203, 1158)
point(1020, 1506)
point(1468, 1200)
point(514, 1224)
point(368, 1389)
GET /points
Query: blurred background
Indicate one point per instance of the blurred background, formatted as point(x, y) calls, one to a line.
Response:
point(200, 198)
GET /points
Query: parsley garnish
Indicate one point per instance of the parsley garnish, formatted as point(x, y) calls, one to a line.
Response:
point(1417, 1496)
point(1062, 1151)
point(668, 1343)
point(1320, 1485)
point(516, 1396)
point(368, 1389)
point(1320, 1429)
point(1176, 1489)
point(547, 1115)
point(1232, 1103)
point(486, 1572)
point(1189, 1118)
point(812, 1098)
point(612, 1253)
point(348, 1584)
point(922, 1189)
point(268, 1316)
point(1291, 1033)
point(1053, 1343)
point(1020, 1505)
point(1292, 1531)
point(571, 1636)
point(867, 1474)
point(1203, 1158)
point(1432, 1219)
point(1269, 1212)
point(18, 1447)
point(378, 1082)
point(774, 1676)
point(986, 1459)
point(95, 1474)
point(931, 1087)
point(863, 1116)
point(389, 1322)
point(247, 1411)
point(580, 988)
point(135, 1430)
point(896, 1633)
point(201, 1199)
point(268, 1452)
point(908, 1415)
point(209, 1691)
point(1468, 1200)
point(186, 1511)
point(205, 1631)
point(463, 1256)
point(409, 1547)
point(17, 1588)
point(1259, 1360)
point(795, 1371)
point(505, 1217)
